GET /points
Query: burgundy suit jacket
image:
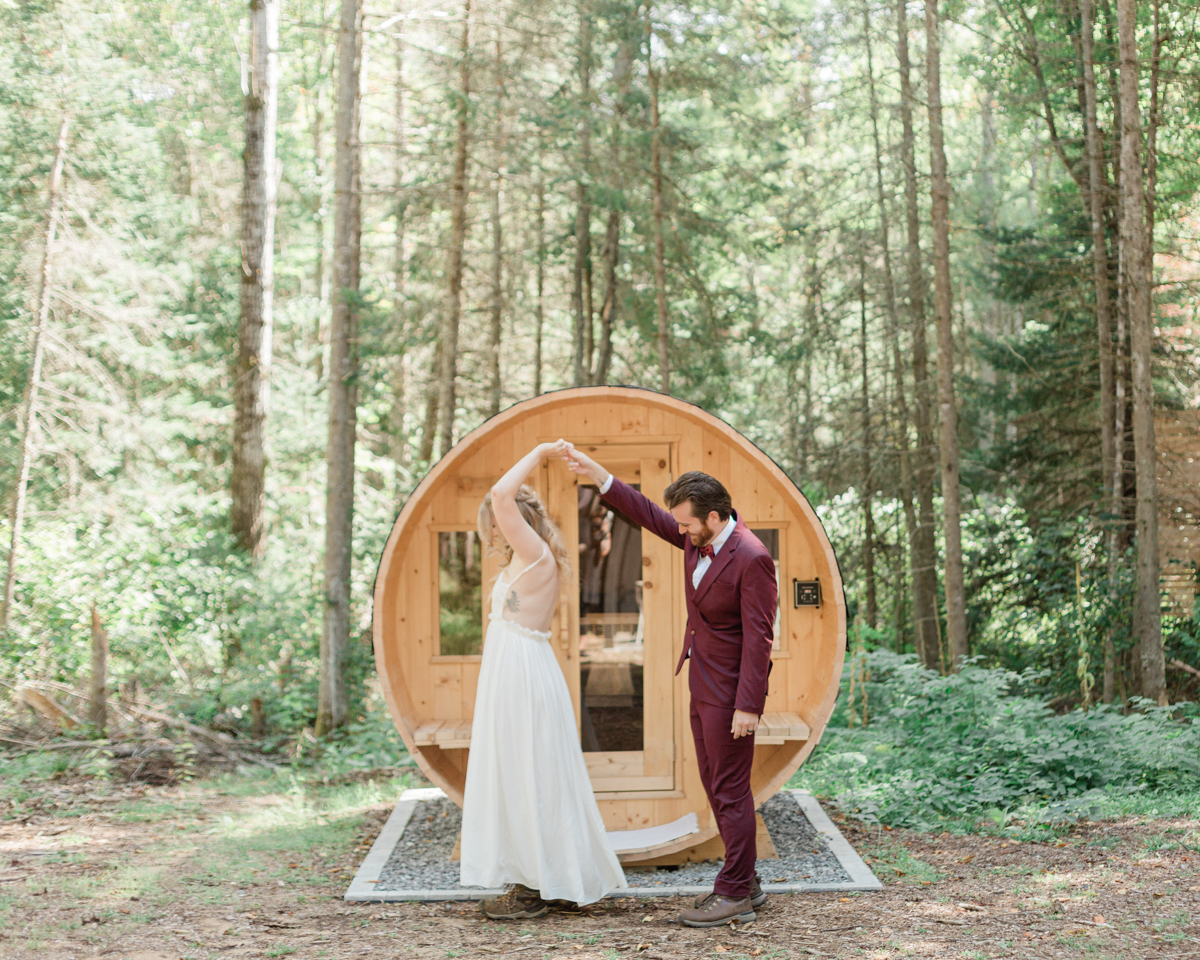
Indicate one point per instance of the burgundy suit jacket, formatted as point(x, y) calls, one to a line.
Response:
point(731, 615)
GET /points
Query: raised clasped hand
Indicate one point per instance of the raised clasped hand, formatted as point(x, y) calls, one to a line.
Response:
point(578, 462)
point(558, 450)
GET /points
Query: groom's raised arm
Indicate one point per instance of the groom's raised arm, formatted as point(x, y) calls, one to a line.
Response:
point(637, 507)
point(644, 512)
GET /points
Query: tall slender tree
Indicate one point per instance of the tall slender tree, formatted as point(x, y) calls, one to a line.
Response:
point(893, 316)
point(581, 286)
point(496, 307)
point(868, 545)
point(400, 311)
point(252, 370)
point(332, 699)
point(539, 305)
point(660, 266)
point(458, 236)
point(956, 601)
point(1101, 282)
point(924, 563)
point(1139, 260)
point(622, 72)
point(29, 418)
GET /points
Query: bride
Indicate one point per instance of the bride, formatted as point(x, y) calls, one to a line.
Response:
point(529, 816)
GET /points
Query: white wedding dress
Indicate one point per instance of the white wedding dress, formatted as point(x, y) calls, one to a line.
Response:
point(529, 815)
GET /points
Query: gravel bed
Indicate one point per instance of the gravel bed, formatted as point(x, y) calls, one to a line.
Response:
point(421, 859)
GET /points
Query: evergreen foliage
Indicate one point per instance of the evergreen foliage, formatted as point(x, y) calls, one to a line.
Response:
point(769, 208)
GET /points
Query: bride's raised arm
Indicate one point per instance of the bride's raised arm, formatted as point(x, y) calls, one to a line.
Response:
point(526, 544)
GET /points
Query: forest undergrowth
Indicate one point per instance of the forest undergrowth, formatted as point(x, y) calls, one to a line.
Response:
point(981, 749)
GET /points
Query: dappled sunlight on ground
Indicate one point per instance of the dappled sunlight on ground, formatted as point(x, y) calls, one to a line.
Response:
point(256, 867)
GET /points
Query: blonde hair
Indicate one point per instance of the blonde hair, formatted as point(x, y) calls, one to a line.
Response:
point(534, 514)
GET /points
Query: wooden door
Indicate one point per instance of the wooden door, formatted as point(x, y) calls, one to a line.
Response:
point(617, 651)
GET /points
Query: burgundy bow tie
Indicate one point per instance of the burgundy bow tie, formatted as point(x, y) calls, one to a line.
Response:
point(706, 550)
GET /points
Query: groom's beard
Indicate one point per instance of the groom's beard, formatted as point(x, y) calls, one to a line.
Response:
point(707, 536)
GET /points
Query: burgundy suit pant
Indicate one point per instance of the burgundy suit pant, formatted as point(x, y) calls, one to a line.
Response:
point(725, 772)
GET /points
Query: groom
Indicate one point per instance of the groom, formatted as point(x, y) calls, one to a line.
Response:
point(732, 596)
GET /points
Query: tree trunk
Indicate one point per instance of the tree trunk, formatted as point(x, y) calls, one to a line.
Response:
point(433, 394)
point(812, 293)
point(496, 308)
point(25, 453)
point(317, 135)
point(660, 268)
point(458, 235)
point(924, 555)
point(1158, 94)
point(1121, 535)
point(889, 291)
point(868, 548)
point(343, 373)
point(540, 304)
point(1097, 191)
point(956, 609)
point(252, 371)
point(400, 311)
point(258, 718)
point(1147, 614)
point(622, 71)
point(98, 679)
point(581, 290)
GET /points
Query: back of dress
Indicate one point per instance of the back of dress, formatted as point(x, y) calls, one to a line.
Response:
point(529, 814)
point(529, 598)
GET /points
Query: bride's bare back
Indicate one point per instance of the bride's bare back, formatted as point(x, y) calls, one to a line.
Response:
point(529, 597)
point(528, 585)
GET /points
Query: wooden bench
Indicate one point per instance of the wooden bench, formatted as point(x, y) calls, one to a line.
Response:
point(445, 734)
point(774, 728)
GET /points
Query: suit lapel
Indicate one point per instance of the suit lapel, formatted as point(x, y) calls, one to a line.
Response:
point(719, 563)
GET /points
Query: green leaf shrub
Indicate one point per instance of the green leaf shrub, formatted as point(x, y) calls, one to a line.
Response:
point(976, 741)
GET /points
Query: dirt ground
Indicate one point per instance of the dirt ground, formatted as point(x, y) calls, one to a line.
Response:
point(204, 871)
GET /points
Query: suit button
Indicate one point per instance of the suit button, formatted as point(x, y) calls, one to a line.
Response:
point(693, 633)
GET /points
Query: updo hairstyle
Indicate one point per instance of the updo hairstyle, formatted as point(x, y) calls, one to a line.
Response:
point(534, 513)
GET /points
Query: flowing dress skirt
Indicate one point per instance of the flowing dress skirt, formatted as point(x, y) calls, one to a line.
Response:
point(529, 815)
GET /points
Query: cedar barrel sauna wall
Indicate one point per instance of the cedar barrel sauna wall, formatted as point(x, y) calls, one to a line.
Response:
point(650, 439)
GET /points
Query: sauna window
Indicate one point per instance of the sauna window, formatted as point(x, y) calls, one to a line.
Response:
point(460, 593)
point(770, 540)
point(611, 627)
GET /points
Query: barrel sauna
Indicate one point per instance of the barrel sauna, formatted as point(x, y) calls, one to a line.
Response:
point(620, 618)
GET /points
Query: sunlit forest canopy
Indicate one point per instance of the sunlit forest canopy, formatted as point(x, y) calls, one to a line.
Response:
point(734, 202)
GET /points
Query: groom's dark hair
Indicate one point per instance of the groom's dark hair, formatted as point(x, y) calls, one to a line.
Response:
point(706, 494)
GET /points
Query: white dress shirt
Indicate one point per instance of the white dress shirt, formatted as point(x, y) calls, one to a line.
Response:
point(704, 562)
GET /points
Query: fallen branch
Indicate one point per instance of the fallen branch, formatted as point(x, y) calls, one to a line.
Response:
point(45, 707)
point(138, 748)
point(222, 743)
point(1180, 665)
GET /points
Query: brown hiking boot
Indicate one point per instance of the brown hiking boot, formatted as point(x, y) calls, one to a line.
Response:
point(757, 897)
point(519, 903)
point(717, 911)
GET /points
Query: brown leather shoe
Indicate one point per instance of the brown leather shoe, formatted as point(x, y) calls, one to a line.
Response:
point(757, 897)
point(717, 911)
point(519, 903)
